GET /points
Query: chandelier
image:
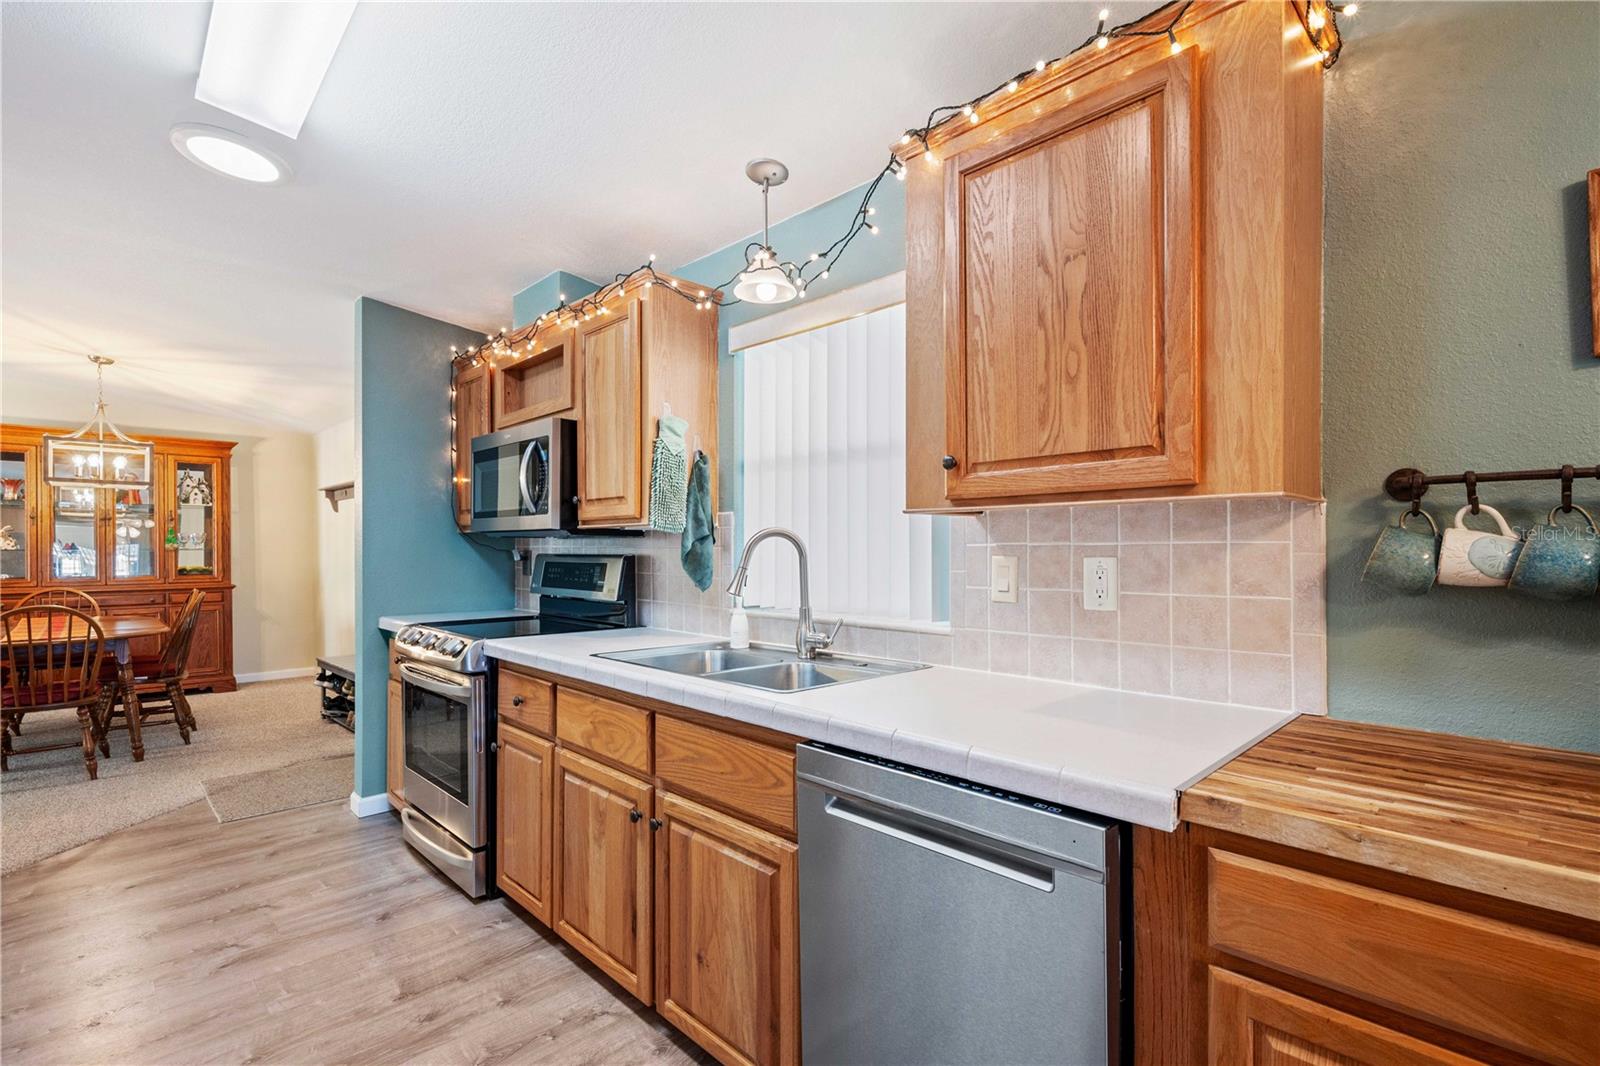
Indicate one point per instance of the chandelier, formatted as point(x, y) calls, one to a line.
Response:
point(764, 279)
point(107, 458)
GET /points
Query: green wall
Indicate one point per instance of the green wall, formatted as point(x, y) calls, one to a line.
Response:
point(410, 558)
point(1456, 336)
point(545, 295)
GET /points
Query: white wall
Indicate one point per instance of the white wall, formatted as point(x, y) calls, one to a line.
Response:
point(273, 512)
point(336, 541)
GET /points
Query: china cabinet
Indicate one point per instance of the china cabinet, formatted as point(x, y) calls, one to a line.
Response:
point(138, 551)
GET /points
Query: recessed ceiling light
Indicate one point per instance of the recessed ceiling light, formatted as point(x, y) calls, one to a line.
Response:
point(227, 153)
point(265, 62)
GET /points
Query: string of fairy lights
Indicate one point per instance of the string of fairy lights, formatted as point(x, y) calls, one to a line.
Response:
point(1318, 19)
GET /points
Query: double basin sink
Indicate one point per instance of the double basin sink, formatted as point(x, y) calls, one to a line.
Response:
point(765, 668)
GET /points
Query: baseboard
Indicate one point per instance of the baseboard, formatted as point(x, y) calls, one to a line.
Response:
point(277, 675)
point(367, 806)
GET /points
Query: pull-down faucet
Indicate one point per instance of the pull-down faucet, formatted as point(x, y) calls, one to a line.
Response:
point(808, 640)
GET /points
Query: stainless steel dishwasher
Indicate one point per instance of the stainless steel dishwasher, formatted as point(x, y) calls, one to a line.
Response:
point(945, 922)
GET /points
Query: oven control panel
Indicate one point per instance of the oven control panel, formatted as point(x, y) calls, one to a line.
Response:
point(433, 646)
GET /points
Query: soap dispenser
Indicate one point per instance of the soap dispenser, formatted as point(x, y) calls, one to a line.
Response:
point(738, 625)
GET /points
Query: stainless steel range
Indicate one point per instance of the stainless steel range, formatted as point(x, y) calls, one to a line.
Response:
point(448, 700)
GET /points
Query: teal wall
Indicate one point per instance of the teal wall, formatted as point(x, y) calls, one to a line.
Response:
point(409, 556)
point(545, 294)
point(1456, 336)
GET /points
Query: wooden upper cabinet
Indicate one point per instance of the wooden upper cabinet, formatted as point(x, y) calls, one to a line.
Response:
point(727, 934)
point(536, 381)
point(651, 353)
point(602, 882)
point(1114, 279)
point(472, 387)
point(1069, 292)
point(611, 484)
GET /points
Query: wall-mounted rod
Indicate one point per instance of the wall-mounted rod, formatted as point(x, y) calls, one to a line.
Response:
point(1409, 484)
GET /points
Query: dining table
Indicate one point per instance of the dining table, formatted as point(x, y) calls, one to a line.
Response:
point(119, 632)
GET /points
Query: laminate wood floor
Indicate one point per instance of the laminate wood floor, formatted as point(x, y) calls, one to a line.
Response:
point(301, 937)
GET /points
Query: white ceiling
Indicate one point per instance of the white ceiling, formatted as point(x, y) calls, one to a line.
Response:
point(456, 153)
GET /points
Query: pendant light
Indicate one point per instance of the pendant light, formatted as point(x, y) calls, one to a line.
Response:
point(106, 459)
point(764, 279)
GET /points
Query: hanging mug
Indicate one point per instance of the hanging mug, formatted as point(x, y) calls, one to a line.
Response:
point(1559, 562)
point(1475, 558)
point(1405, 560)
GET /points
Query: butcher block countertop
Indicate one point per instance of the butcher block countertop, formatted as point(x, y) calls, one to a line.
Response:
point(1507, 820)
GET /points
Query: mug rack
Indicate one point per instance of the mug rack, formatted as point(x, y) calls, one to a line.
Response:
point(1409, 484)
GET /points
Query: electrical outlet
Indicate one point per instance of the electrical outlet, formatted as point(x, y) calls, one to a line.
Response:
point(1100, 583)
point(1003, 579)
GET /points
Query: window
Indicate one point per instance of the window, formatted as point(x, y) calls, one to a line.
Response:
point(823, 430)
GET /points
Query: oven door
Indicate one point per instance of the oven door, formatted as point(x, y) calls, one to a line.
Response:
point(513, 475)
point(444, 719)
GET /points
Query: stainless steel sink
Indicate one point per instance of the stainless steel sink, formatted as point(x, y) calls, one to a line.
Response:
point(772, 669)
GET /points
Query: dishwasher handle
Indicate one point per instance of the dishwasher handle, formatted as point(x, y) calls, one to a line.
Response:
point(878, 819)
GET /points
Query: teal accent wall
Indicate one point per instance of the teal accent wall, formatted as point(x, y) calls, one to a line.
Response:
point(409, 556)
point(1458, 137)
point(545, 295)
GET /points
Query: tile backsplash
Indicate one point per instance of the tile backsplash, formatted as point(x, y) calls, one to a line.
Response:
point(1219, 599)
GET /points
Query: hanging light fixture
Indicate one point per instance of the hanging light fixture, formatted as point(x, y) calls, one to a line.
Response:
point(764, 279)
point(106, 459)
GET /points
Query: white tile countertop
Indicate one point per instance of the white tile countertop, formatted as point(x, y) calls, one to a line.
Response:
point(394, 623)
point(1122, 755)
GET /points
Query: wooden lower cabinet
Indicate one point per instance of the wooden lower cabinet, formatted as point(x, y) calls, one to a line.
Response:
point(522, 819)
point(727, 930)
point(396, 747)
point(602, 881)
point(1255, 1024)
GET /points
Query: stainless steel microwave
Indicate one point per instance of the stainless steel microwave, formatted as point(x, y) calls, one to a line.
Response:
point(525, 479)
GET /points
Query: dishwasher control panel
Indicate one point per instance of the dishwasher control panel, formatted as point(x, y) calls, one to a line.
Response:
point(946, 779)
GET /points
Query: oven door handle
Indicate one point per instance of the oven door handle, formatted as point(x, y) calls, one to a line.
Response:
point(438, 684)
point(423, 843)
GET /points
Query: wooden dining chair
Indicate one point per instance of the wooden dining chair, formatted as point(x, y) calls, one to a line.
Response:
point(77, 599)
point(50, 659)
point(159, 680)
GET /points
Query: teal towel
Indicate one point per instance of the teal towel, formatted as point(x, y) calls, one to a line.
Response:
point(699, 531)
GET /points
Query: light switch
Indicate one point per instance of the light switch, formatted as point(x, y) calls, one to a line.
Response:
point(1003, 578)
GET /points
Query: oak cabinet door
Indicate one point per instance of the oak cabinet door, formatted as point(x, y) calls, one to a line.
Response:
point(396, 747)
point(602, 881)
point(470, 407)
point(522, 819)
point(610, 455)
point(1070, 296)
point(1255, 1024)
point(727, 968)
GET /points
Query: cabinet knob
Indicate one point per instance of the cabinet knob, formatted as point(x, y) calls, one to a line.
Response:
point(635, 814)
point(948, 462)
point(494, 746)
point(516, 701)
point(656, 823)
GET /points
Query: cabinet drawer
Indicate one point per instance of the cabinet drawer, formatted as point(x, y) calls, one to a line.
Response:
point(1520, 988)
point(526, 701)
point(739, 775)
point(605, 727)
point(134, 599)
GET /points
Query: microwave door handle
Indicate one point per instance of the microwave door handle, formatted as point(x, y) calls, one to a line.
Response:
point(431, 682)
point(522, 478)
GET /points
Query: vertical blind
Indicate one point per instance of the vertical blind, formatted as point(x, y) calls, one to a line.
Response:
point(824, 455)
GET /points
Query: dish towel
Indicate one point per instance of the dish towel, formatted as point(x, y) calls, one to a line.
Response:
point(669, 480)
point(700, 531)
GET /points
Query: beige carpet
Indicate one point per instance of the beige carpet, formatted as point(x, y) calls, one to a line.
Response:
point(299, 784)
point(48, 804)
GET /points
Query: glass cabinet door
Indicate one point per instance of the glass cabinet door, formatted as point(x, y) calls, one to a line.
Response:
point(134, 534)
point(74, 554)
point(191, 532)
point(16, 487)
